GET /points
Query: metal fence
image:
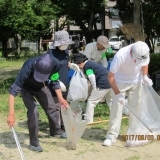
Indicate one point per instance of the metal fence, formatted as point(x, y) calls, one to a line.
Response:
point(31, 45)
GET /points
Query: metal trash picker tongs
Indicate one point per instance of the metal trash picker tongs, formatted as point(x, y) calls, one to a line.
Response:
point(138, 118)
point(18, 144)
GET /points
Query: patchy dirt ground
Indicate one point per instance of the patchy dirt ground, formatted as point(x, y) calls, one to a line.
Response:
point(89, 147)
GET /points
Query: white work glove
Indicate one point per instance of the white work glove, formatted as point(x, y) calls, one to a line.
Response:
point(95, 89)
point(75, 67)
point(92, 80)
point(147, 81)
point(63, 87)
point(121, 99)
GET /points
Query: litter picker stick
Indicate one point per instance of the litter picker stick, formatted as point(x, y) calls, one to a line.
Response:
point(139, 118)
point(18, 144)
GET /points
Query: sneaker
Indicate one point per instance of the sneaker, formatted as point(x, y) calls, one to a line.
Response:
point(35, 148)
point(62, 135)
point(107, 142)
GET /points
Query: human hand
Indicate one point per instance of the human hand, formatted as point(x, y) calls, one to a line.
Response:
point(75, 67)
point(11, 119)
point(95, 89)
point(63, 87)
point(121, 99)
point(147, 81)
point(63, 102)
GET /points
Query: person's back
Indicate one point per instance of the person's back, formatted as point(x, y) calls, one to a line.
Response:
point(100, 73)
point(97, 75)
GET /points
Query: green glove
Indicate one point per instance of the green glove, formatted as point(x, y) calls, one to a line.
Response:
point(107, 52)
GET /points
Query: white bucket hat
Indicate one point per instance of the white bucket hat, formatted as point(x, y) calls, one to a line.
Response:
point(140, 52)
point(62, 38)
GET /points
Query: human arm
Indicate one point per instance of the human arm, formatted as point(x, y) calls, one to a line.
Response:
point(11, 113)
point(108, 51)
point(74, 67)
point(13, 91)
point(54, 76)
point(146, 80)
point(145, 70)
point(88, 51)
point(104, 62)
point(119, 96)
point(62, 101)
point(113, 84)
point(91, 77)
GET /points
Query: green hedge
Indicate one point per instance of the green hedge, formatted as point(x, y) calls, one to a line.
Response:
point(154, 64)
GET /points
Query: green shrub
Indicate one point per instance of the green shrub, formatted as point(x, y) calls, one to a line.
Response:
point(154, 64)
point(5, 84)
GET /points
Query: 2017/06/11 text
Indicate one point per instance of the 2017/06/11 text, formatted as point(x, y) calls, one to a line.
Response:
point(140, 137)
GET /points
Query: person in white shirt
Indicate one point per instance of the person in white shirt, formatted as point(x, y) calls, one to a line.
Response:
point(128, 70)
point(97, 51)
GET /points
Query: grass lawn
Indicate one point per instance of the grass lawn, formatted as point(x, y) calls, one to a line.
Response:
point(9, 70)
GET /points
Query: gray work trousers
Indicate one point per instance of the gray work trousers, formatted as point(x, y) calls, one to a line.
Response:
point(51, 109)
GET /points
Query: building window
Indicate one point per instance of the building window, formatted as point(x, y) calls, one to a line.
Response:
point(114, 12)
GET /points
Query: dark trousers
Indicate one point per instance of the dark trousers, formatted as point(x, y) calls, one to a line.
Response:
point(51, 109)
point(60, 120)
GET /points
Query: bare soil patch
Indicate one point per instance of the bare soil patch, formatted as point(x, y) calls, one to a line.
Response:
point(89, 147)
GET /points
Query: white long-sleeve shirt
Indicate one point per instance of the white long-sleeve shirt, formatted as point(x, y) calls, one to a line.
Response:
point(93, 54)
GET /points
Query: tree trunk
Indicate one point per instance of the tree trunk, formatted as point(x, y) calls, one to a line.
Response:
point(39, 44)
point(136, 12)
point(149, 42)
point(95, 29)
point(4, 49)
point(17, 40)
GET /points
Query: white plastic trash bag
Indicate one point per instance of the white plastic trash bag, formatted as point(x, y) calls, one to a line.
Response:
point(78, 88)
point(125, 110)
point(74, 126)
point(77, 106)
point(149, 114)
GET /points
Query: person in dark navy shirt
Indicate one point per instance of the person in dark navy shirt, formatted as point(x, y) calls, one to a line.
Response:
point(97, 75)
point(59, 51)
point(30, 83)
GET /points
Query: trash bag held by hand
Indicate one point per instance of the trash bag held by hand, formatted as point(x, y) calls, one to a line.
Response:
point(77, 106)
point(74, 126)
point(78, 88)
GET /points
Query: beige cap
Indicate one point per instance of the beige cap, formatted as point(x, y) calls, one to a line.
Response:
point(103, 40)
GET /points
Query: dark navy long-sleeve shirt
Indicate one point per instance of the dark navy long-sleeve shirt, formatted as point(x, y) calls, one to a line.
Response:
point(26, 79)
point(100, 73)
point(63, 57)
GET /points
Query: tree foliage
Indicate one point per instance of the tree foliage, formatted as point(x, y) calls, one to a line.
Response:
point(150, 14)
point(84, 13)
point(28, 18)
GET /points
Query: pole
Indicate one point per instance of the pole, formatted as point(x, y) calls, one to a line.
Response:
point(139, 118)
point(18, 144)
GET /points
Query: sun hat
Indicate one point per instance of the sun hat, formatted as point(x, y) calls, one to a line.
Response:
point(103, 40)
point(43, 68)
point(62, 38)
point(140, 52)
